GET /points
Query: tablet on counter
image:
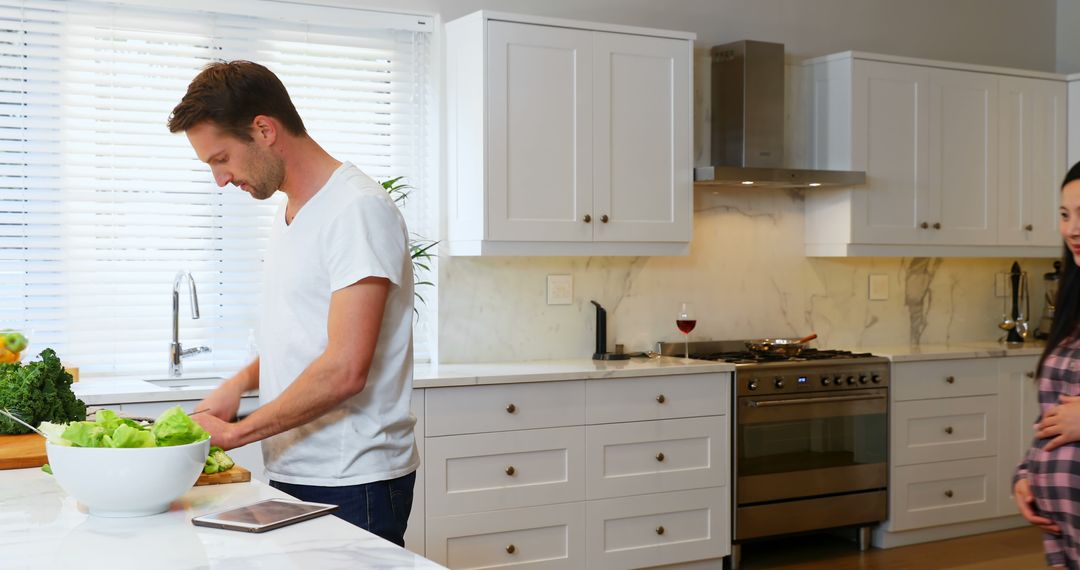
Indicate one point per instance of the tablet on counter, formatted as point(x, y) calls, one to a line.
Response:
point(264, 515)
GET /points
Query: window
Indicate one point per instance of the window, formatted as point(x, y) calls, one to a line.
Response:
point(100, 205)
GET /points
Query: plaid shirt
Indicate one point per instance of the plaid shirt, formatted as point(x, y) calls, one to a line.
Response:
point(1055, 475)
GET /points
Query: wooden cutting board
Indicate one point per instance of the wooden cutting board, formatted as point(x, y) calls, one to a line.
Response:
point(22, 451)
point(235, 475)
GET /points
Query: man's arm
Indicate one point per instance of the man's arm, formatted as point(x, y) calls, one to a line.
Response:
point(339, 373)
point(224, 401)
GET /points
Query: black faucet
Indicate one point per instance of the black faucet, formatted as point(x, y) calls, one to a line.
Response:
point(601, 352)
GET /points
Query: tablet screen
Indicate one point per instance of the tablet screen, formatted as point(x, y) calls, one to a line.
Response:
point(264, 515)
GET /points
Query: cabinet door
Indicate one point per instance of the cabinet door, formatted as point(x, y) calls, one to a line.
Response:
point(891, 143)
point(963, 155)
point(540, 162)
point(642, 130)
point(1019, 410)
point(1032, 150)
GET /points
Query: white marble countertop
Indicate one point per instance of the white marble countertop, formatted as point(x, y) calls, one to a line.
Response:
point(42, 527)
point(988, 349)
point(131, 390)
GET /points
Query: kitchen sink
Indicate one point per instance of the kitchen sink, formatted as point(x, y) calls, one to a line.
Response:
point(186, 382)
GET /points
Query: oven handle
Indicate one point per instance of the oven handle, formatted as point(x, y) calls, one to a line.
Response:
point(797, 401)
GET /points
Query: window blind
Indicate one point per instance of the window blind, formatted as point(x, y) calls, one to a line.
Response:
point(100, 205)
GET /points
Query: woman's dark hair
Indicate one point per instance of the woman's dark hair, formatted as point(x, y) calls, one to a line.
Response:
point(1067, 305)
point(231, 94)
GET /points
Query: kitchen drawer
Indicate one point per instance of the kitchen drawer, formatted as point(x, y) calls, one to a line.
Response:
point(483, 472)
point(664, 528)
point(537, 538)
point(650, 457)
point(944, 379)
point(945, 429)
point(946, 492)
point(657, 397)
point(503, 407)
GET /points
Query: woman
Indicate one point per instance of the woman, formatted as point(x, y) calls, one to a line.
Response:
point(1044, 487)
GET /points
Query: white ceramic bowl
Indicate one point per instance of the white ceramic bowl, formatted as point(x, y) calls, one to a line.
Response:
point(127, 482)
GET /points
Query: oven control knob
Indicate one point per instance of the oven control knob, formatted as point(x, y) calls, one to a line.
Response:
point(850, 380)
point(778, 382)
point(752, 385)
point(826, 380)
point(876, 379)
point(837, 381)
point(863, 379)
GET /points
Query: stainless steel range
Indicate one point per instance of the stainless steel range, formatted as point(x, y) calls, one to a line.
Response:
point(810, 439)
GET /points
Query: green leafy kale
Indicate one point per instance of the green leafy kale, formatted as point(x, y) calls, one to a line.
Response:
point(38, 391)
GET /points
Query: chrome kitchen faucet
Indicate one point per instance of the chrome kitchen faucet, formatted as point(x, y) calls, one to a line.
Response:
point(176, 368)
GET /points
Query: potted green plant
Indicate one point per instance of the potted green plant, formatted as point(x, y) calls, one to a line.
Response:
point(420, 248)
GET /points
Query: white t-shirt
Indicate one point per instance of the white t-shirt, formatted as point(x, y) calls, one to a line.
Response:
point(350, 229)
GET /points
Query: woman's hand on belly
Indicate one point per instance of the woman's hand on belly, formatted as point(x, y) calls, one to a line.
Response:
point(1026, 502)
point(1060, 424)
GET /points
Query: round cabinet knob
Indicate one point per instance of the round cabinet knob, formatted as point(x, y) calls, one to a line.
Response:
point(863, 379)
point(950, 380)
point(948, 430)
point(1030, 374)
point(876, 378)
point(937, 225)
point(779, 383)
point(510, 549)
point(752, 385)
point(510, 408)
point(948, 493)
point(604, 218)
point(660, 456)
point(659, 530)
point(1029, 227)
point(924, 225)
point(587, 218)
point(661, 399)
point(510, 470)
point(825, 381)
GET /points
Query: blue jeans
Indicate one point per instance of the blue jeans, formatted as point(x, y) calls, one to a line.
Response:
point(381, 507)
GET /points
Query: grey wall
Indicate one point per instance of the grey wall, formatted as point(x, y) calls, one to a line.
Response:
point(1068, 36)
point(1008, 33)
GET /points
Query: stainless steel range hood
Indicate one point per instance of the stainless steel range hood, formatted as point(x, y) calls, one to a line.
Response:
point(748, 123)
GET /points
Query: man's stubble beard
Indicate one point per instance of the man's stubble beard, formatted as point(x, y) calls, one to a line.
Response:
point(267, 175)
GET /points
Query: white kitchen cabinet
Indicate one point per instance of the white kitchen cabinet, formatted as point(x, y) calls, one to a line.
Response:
point(1074, 120)
point(567, 138)
point(597, 473)
point(415, 530)
point(1019, 410)
point(932, 138)
point(1032, 163)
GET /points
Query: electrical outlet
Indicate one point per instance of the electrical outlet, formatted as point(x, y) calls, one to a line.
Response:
point(560, 289)
point(1000, 284)
point(879, 287)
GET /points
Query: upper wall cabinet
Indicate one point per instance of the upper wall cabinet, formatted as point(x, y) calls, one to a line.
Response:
point(959, 160)
point(1074, 119)
point(567, 138)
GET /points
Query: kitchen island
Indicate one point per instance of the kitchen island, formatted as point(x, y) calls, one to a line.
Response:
point(42, 527)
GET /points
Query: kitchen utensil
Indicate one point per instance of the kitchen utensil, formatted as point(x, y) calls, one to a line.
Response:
point(1007, 323)
point(807, 338)
point(22, 451)
point(1023, 322)
point(786, 347)
point(235, 475)
point(1052, 280)
point(11, 415)
point(1015, 278)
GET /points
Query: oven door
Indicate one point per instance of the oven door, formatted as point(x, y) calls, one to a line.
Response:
point(805, 445)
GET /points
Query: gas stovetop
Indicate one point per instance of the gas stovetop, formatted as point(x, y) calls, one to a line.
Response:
point(735, 352)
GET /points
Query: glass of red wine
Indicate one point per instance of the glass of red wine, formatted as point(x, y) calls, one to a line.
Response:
point(686, 322)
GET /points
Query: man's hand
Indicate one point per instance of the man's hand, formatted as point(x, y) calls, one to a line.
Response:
point(221, 431)
point(1062, 423)
point(1026, 502)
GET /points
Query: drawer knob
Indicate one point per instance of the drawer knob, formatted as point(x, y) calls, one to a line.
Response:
point(937, 225)
point(1030, 374)
point(660, 456)
point(924, 225)
point(948, 493)
point(948, 430)
point(510, 408)
point(659, 530)
point(950, 379)
point(604, 218)
point(587, 218)
point(510, 470)
point(1029, 227)
point(661, 399)
point(510, 549)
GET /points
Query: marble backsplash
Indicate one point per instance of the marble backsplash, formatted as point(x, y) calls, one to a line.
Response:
point(746, 276)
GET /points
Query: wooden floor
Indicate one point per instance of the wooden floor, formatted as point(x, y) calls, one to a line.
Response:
point(1016, 549)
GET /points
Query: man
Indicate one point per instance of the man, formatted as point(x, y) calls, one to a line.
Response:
point(334, 371)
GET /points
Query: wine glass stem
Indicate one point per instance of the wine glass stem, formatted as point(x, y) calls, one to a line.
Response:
point(686, 337)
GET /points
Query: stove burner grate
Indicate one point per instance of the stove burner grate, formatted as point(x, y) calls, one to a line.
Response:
point(747, 357)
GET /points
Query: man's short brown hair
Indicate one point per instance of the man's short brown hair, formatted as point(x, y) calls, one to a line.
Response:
point(231, 94)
